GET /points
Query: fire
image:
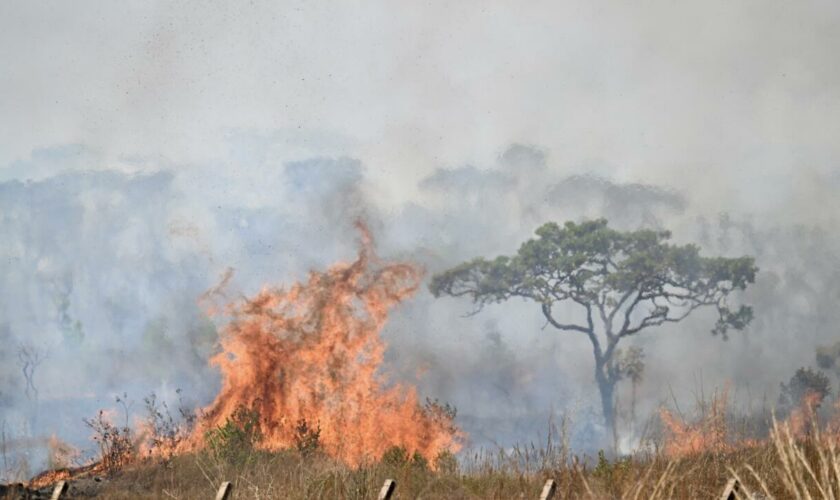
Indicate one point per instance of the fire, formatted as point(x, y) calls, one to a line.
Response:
point(61, 454)
point(312, 353)
point(711, 433)
point(303, 358)
point(803, 418)
point(52, 476)
point(708, 434)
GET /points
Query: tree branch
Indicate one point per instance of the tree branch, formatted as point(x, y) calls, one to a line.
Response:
point(546, 309)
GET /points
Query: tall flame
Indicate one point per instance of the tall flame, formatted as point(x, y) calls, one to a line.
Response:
point(312, 352)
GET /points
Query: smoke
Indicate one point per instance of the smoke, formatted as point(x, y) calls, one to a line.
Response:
point(311, 352)
point(104, 268)
point(244, 143)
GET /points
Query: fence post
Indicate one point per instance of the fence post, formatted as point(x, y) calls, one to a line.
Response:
point(387, 489)
point(224, 491)
point(60, 489)
point(548, 490)
point(730, 491)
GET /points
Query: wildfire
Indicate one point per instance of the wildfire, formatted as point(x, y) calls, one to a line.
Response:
point(53, 476)
point(711, 432)
point(708, 434)
point(61, 454)
point(311, 353)
point(804, 417)
point(303, 358)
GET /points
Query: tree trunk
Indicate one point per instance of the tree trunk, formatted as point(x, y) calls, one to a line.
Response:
point(635, 385)
point(606, 386)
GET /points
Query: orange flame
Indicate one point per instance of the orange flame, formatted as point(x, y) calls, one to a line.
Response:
point(708, 434)
point(802, 418)
point(50, 477)
point(61, 454)
point(312, 352)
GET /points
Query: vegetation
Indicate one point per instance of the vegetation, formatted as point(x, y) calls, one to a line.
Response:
point(682, 460)
point(116, 444)
point(307, 439)
point(828, 358)
point(165, 431)
point(783, 467)
point(806, 388)
point(621, 282)
point(235, 441)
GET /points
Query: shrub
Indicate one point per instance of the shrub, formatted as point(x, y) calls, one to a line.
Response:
point(610, 471)
point(395, 456)
point(418, 461)
point(805, 383)
point(398, 456)
point(307, 439)
point(234, 441)
point(446, 463)
point(166, 433)
point(115, 443)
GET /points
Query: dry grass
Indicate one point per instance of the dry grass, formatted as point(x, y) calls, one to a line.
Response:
point(783, 467)
point(787, 464)
point(288, 475)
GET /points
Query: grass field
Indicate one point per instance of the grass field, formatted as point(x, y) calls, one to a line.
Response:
point(780, 467)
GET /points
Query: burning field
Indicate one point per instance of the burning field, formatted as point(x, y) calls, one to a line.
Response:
point(300, 366)
point(305, 411)
point(309, 356)
point(302, 247)
point(798, 458)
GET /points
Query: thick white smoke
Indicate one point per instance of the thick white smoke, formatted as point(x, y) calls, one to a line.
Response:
point(147, 148)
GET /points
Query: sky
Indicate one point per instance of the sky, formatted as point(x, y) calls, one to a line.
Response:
point(690, 95)
point(146, 147)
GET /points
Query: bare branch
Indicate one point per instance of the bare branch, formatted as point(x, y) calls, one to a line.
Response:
point(546, 309)
point(30, 357)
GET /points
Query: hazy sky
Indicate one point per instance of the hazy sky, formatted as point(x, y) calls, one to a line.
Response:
point(259, 130)
point(699, 95)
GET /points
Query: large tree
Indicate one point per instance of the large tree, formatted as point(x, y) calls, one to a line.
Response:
point(620, 282)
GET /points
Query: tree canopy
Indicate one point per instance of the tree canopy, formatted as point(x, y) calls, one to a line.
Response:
point(631, 280)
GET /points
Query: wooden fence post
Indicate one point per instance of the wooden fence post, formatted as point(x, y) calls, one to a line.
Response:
point(548, 490)
point(730, 491)
point(60, 489)
point(387, 489)
point(224, 491)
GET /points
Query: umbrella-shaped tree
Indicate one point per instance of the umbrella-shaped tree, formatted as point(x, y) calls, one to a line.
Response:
point(621, 282)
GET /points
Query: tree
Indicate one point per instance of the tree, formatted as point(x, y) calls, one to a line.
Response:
point(828, 358)
point(806, 388)
point(30, 357)
point(620, 282)
point(630, 364)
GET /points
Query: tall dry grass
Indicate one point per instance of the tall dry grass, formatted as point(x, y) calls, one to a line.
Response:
point(784, 466)
point(509, 474)
point(795, 461)
point(803, 468)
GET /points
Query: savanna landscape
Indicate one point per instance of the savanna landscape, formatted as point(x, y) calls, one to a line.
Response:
point(483, 250)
